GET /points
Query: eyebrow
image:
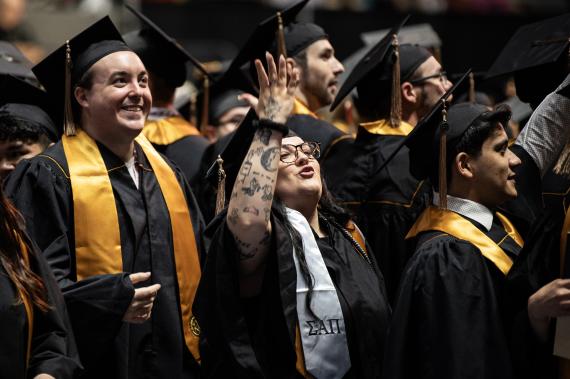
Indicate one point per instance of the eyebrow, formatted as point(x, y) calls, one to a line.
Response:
point(502, 144)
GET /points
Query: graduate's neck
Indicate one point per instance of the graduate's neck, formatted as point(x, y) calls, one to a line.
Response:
point(308, 100)
point(122, 147)
point(465, 190)
point(410, 116)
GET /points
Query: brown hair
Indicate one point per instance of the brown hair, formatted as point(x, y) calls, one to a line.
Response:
point(12, 241)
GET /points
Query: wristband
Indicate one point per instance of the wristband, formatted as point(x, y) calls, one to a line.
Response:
point(264, 123)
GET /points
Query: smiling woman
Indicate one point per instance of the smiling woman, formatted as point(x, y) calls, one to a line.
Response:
point(312, 297)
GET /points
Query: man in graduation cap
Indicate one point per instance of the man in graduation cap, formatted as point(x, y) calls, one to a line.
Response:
point(386, 202)
point(115, 220)
point(166, 129)
point(26, 128)
point(459, 288)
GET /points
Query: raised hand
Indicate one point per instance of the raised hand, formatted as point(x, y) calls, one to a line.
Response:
point(141, 306)
point(276, 89)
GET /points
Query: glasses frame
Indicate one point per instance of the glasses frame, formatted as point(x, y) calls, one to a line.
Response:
point(316, 148)
point(441, 75)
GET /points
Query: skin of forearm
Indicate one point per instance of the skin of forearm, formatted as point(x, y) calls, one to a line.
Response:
point(252, 195)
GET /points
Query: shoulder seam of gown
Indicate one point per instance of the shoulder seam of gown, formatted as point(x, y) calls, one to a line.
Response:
point(56, 162)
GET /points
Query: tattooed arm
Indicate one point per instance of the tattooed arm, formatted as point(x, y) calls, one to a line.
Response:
point(250, 203)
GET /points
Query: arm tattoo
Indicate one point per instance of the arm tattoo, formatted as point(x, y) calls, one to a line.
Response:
point(233, 216)
point(272, 108)
point(252, 210)
point(245, 169)
point(245, 250)
point(264, 136)
point(252, 189)
point(268, 157)
point(267, 192)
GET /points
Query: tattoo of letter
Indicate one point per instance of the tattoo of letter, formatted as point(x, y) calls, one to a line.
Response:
point(267, 158)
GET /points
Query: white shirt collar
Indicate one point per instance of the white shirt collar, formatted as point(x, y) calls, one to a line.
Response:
point(468, 208)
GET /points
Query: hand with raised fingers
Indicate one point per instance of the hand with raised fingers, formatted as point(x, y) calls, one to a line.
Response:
point(276, 89)
point(141, 305)
point(550, 301)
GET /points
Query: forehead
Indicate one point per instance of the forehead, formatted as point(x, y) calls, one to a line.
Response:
point(296, 140)
point(126, 61)
point(429, 67)
point(318, 47)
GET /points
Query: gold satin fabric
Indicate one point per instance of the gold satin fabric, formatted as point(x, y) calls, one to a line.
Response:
point(97, 239)
point(300, 108)
point(168, 130)
point(382, 127)
point(449, 222)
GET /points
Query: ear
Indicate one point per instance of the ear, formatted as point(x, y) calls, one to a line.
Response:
point(81, 96)
point(464, 165)
point(409, 94)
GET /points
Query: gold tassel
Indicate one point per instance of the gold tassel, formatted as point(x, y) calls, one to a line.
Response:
point(205, 104)
point(562, 166)
point(221, 195)
point(471, 95)
point(192, 110)
point(281, 48)
point(396, 102)
point(68, 123)
point(442, 158)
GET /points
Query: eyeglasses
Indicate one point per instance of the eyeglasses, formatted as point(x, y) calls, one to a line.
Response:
point(290, 153)
point(442, 76)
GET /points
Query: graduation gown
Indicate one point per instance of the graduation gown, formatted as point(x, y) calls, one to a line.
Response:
point(255, 337)
point(185, 151)
point(53, 349)
point(385, 203)
point(453, 317)
point(109, 347)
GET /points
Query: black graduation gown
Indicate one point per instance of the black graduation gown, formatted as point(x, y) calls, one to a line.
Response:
point(53, 349)
point(254, 338)
point(109, 347)
point(385, 211)
point(452, 317)
point(187, 154)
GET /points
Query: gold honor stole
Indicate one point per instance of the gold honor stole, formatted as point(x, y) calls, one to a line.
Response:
point(451, 223)
point(97, 239)
point(300, 108)
point(168, 130)
point(382, 127)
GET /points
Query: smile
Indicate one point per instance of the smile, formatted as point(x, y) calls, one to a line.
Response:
point(132, 108)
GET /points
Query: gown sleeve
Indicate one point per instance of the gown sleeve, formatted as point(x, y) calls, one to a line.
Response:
point(41, 191)
point(446, 323)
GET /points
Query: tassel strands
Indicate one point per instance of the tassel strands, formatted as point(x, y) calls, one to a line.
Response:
point(281, 48)
point(205, 104)
point(471, 95)
point(68, 123)
point(442, 158)
point(396, 101)
point(221, 195)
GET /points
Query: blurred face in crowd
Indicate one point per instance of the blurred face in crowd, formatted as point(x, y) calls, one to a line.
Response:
point(118, 99)
point(227, 123)
point(429, 84)
point(319, 70)
point(13, 151)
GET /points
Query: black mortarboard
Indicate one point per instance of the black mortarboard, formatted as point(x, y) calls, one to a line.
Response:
point(299, 36)
point(420, 34)
point(411, 57)
point(61, 71)
point(264, 36)
point(533, 45)
point(13, 62)
point(28, 103)
point(424, 140)
point(372, 63)
point(160, 53)
point(224, 101)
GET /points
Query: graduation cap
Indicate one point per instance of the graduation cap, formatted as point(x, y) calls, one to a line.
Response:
point(270, 33)
point(429, 140)
point(13, 62)
point(376, 59)
point(26, 102)
point(534, 45)
point(62, 70)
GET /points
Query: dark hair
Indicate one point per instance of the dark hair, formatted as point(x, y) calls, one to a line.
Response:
point(471, 141)
point(301, 59)
point(328, 208)
point(86, 82)
point(16, 129)
point(161, 90)
point(12, 241)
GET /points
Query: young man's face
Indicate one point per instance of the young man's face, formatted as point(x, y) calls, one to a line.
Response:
point(119, 99)
point(319, 77)
point(12, 152)
point(493, 175)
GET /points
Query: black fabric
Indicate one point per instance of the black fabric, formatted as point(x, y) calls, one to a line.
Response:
point(53, 347)
point(254, 338)
point(411, 57)
point(312, 129)
point(109, 347)
point(299, 36)
point(13, 62)
point(187, 154)
point(387, 213)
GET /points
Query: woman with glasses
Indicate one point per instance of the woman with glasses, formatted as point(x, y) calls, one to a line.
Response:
point(290, 289)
